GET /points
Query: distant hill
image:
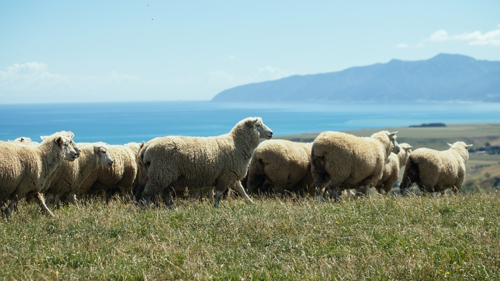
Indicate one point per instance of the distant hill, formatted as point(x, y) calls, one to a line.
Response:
point(444, 77)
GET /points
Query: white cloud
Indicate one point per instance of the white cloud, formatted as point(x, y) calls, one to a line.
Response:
point(220, 76)
point(34, 81)
point(270, 73)
point(231, 57)
point(420, 45)
point(262, 74)
point(401, 45)
point(476, 38)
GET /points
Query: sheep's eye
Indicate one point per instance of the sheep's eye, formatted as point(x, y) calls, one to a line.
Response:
point(104, 152)
point(258, 125)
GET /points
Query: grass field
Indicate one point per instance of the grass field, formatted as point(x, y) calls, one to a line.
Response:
point(379, 238)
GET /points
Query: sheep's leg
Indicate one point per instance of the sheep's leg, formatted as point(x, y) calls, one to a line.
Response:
point(217, 198)
point(41, 201)
point(238, 187)
point(56, 200)
point(362, 191)
point(8, 210)
point(196, 194)
point(149, 190)
point(167, 197)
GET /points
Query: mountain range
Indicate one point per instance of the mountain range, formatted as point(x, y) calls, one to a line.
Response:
point(445, 77)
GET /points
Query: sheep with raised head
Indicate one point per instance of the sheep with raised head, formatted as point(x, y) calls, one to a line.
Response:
point(201, 162)
point(27, 169)
point(119, 177)
point(344, 161)
point(280, 165)
point(435, 171)
point(70, 175)
point(391, 169)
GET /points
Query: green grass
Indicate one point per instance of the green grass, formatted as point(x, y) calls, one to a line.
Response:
point(379, 238)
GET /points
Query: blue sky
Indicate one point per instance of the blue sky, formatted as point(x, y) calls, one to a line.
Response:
point(93, 51)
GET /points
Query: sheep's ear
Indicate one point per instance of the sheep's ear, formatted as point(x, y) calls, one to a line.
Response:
point(142, 145)
point(43, 137)
point(60, 141)
point(71, 135)
point(450, 144)
point(468, 146)
point(408, 148)
point(392, 135)
point(96, 149)
point(251, 122)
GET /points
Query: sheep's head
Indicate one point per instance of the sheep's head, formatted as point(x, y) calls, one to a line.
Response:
point(103, 157)
point(64, 140)
point(395, 146)
point(257, 124)
point(462, 148)
point(404, 154)
point(24, 140)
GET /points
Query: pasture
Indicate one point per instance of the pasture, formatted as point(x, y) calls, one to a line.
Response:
point(378, 238)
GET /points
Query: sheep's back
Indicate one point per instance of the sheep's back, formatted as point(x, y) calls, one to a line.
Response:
point(20, 166)
point(196, 160)
point(348, 155)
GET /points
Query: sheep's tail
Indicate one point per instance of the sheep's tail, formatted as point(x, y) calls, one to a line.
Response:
point(411, 174)
point(255, 176)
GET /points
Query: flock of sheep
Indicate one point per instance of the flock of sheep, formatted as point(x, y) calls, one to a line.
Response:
point(59, 170)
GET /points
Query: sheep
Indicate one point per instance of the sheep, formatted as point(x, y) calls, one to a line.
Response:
point(282, 165)
point(201, 162)
point(120, 176)
point(142, 173)
point(70, 176)
point(435, 171)
point(25, 140)
point(346, 161)
point(27, 169)
point(391, 169)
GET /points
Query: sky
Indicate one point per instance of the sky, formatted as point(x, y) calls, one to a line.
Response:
point(113, 51)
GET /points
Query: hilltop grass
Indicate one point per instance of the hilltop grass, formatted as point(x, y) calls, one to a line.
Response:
point(378, 238)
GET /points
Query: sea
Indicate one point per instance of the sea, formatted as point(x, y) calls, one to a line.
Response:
point(119, 123)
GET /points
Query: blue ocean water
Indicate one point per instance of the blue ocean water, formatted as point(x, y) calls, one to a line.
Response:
point(118, 123)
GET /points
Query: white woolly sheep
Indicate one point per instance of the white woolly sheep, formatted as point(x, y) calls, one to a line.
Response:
point(281, 165)
point(201, 162)
point(119, 177)
point(70, 175)
point(435, 171)
point(26, 169)
point(346, 161)
point(391, 169)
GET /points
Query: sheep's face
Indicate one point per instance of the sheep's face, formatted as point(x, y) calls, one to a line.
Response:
point(394, 144)
point(103, 157)
point(263, 130)
point(69, 147)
